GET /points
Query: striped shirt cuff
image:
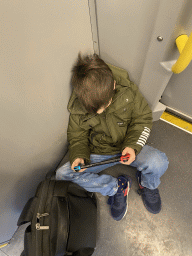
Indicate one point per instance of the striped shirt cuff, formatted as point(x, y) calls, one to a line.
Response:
point(143, 137)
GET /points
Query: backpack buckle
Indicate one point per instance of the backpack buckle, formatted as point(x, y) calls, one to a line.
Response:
point(38, 226)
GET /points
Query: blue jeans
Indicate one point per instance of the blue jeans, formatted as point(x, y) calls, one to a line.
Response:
point(151, 162)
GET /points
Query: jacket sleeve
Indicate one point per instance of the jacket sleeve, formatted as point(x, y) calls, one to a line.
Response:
point(77, 139)
point(141, 123)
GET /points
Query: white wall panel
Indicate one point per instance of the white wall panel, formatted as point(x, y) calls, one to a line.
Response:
point(128, 32)
point(40, 41)
point(125, 29)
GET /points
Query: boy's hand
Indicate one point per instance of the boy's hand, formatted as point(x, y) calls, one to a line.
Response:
point(132, 155)
point(77, 162)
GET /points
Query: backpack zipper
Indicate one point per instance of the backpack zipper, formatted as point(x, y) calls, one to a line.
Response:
point(38, 226)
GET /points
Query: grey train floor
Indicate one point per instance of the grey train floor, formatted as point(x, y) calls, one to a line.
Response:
point(141, 233)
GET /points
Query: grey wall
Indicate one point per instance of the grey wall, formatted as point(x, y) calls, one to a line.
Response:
point(128, 33)
point(40, 41)
point(125, 29)
point(178, 93)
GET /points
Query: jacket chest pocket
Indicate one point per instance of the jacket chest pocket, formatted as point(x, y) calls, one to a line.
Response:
point(122, 124)
point(124, 113)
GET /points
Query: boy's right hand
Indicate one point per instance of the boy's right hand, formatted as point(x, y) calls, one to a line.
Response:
point(77, 162)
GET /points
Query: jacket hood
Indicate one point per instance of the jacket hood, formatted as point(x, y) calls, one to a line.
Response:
point(122, 84)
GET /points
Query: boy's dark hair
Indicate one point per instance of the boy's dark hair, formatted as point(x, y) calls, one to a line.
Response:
point(93, 82)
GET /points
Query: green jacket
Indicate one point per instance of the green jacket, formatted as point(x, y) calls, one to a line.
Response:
point(125, 123)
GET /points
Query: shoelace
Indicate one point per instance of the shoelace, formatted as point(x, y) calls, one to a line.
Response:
point(119, 199)
point(151, 195)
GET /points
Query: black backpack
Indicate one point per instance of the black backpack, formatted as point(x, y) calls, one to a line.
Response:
point(63, 220)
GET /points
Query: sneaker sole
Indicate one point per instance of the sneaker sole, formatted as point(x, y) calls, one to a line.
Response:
point(129, 187)
point(127, 200)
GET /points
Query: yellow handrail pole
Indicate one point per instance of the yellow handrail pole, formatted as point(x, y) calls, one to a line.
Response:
point(184, 45)
point(3, 245)
point(181, 42)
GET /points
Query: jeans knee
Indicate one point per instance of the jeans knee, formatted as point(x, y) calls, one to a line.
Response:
point(64, 172)
point(164, 160)
point(158, 162)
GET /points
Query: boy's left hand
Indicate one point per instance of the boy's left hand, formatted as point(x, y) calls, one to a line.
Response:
point(132, 155)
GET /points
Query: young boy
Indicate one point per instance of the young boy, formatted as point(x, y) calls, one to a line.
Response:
point(109, 117)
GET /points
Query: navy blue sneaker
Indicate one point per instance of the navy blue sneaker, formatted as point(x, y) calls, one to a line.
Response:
point(119, 202)
point(150, 197)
